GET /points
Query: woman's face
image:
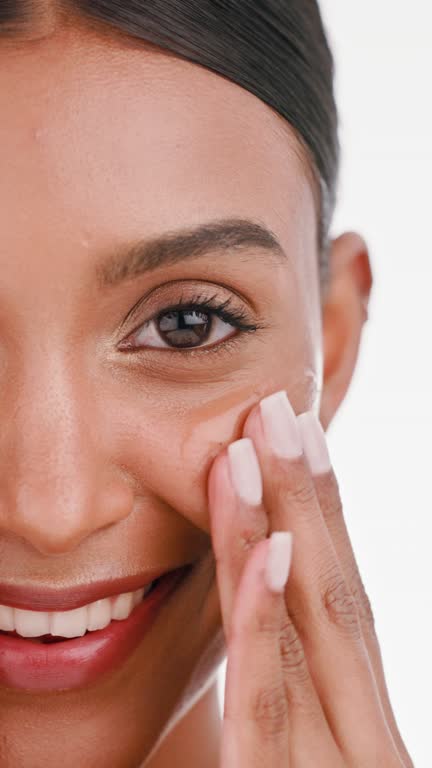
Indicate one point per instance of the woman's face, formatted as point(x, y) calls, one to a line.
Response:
point(109, 425)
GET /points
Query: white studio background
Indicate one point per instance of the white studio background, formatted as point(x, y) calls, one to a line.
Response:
point(380, 439)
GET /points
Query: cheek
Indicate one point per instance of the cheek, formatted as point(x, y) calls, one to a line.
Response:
point(168, 444)
point(169, 450)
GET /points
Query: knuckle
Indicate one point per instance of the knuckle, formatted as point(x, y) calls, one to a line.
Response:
point(269, 711)
point(340, 606)
point(301, 492)
point(249, 536)
point(295, 669)
point(363, 602)
point(293, 658)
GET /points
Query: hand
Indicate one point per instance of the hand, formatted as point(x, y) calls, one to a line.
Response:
point(305, 686)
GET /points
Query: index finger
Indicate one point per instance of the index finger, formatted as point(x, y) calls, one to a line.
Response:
point(255, 730)
point(237, 517)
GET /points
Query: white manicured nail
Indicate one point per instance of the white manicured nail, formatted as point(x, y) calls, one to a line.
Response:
point(245, 471)
point(314, 443)
point(278, 560)
point(280, 426)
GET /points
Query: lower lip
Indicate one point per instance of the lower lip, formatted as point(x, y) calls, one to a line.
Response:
point(33, 666)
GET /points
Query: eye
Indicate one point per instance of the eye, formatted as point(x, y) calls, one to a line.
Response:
point(189, 326)
point(183, 328)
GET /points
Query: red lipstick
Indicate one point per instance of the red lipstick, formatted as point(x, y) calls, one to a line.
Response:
point(28, 664)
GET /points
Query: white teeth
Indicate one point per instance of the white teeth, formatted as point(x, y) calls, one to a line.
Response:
point(122, 605)
point(99, 614)
point(31, 623)
point(69, 623)
point(75, 623)
point(138, 596)
point(7, 618)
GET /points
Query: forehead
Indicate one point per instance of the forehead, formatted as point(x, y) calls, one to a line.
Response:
point(109, 137)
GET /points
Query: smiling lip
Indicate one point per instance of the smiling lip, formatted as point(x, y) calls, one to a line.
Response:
point(33, 666)
point(52, 599)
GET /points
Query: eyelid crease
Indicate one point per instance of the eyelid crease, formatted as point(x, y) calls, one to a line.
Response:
point(184, 285)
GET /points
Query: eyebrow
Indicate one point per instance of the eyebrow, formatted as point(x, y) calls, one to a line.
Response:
point(142, 256)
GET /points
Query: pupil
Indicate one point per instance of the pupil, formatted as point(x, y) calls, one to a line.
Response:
point(184, 328)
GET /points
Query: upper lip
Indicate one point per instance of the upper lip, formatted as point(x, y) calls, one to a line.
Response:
point(36, 598)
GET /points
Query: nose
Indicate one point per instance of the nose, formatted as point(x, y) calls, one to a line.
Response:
point(58, 482)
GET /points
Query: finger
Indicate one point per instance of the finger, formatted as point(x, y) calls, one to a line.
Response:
point(255, 730)
point(327, 490)
point(260, 723)
point(238, 520)
point(319, 600)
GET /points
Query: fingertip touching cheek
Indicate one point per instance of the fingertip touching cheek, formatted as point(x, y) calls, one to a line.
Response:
point(169, 446)
point(212, 426)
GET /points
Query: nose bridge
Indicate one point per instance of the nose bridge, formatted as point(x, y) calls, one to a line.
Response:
point(54, 487)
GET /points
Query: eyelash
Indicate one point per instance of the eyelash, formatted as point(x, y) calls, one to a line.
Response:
point(238, 318)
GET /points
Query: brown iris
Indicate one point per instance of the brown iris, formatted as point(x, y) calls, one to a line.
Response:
point(184, 328)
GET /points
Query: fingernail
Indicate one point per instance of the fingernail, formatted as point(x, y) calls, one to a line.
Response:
point(314, 443)
point(280, 426)
point(245, 471)
point(278, 560)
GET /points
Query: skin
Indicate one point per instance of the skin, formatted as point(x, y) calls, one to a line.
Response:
point(106, 141)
